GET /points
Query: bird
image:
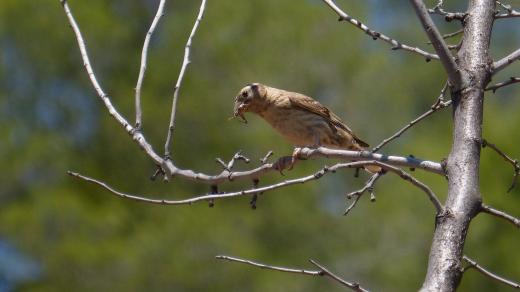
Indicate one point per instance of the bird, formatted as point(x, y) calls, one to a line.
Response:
point(300, 119)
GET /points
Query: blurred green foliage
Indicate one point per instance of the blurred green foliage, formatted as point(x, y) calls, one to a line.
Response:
point(88, 240)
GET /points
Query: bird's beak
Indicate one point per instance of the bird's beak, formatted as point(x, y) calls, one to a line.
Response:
point(238, 111)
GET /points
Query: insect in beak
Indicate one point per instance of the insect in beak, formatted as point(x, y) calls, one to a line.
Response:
point(239, 113)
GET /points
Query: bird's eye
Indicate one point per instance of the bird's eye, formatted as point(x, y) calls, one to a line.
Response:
point(244, 94)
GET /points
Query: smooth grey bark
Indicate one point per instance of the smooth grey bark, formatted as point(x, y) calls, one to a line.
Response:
point(464, 199)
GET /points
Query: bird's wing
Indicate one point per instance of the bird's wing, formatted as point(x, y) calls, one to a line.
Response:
point(309, 104)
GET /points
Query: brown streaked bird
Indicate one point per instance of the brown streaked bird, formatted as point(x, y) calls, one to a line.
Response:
point(299, 118)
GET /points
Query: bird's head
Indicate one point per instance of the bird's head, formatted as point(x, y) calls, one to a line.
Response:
point(249, 99)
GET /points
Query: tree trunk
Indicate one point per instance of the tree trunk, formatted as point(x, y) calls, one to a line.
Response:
point(463, 202)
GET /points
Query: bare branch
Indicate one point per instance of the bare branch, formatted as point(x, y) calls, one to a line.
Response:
point(406, 176)
point(448, 16)
point(473, 264)
point(438, 43)
point(256, 190)
point(229, 166)
point(513, 162)
point(440, 4)
point(509, 11)
point(369, 187)
point(410, 162)
point(264, 159)
point(305, 153)
point(208, 197)
point(396, 45)
point(510, 14)
point(321, 272)
point(449, 35)
point(352, 285)
point(455, 47)
point(511, 80)
point(186, 61)
point(136, 135)
point(500, 214)
point(504, 62)
point(439, 104)
point(144, 57)
point(269, 267)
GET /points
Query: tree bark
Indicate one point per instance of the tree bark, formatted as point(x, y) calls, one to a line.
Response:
point(464, 199)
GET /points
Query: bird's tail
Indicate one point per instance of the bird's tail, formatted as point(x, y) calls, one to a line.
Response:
point(373, 169)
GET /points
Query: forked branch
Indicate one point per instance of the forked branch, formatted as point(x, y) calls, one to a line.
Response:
point(447, 60)
point(256, 190)
point(321, 272)
point(186, 61)
point(170, 169)
point(509, 12)
point(440, 103)
point(449, 35)
point(448, 16)
point(208, 197)
point(368, 187)
point(136, 135)
point(396, 45)
point(144, 57)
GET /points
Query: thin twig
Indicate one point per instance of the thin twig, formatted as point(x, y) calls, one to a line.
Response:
point(136, 135)
point(455, 47)
point(396, 45)
point(321, 272)
point(510, 12)
point(408, 177)
point(513, 162)
point(500, 214)
point(447, 60)
point(450, 35)
point(305, 153)
point(207, 197)
point(263, 160)
point(448, 16)
point(170, 169)
point(410, 162)
point(142, 71)
point(473, 264)
point(511, 80)
point(504, 62)
point(269, 267)
point(317, 175)
point(439, 4)
point(369, 187)
point(352, 285)
point(229, 166)
point(185, 62)
point(439, 104)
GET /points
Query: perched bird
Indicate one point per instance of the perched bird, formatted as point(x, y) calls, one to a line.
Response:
point(299, 118)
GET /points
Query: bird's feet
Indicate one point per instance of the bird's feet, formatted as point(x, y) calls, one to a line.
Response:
point(283, 163)
point(295, 157)
point(287, 162)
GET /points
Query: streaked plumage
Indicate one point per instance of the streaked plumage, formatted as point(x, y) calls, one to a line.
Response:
point(297, 117)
